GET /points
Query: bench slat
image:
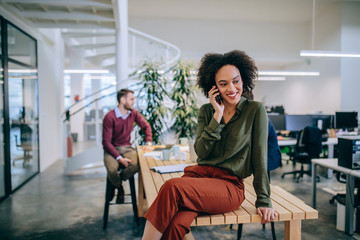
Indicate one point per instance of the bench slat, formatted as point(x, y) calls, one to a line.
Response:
point(149, 187)
point(249, 208)
point(283, 213)
point(203, 220)
point(230, 217)
point(217, 219)
point(242, 215)
point(310, 213)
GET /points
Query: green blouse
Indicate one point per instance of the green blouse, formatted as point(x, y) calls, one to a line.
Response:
point(239, 146)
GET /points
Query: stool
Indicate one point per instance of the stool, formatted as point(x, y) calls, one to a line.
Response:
point(109, 195)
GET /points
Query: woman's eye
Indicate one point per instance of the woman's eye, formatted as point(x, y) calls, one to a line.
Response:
point(236, 81)
point(222, 85)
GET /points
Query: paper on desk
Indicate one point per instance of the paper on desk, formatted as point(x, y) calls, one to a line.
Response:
point(170, 168)
point(184, 148)
point(154, 154)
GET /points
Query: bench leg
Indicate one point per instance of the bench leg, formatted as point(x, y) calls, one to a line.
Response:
point(239, 233)
point(140, 195)
point(292, 230)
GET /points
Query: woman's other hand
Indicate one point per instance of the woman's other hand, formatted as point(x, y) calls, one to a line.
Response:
point(267, 214)
point(219, 108)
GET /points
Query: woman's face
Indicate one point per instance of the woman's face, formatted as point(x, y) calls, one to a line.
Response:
point(228, 81)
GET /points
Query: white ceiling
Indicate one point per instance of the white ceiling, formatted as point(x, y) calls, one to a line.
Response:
point(81, 20)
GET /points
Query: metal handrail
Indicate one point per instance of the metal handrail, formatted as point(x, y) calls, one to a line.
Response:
point(140, 34)
point(162, 42)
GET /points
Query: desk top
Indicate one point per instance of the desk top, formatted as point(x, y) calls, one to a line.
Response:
point(333, 164)
point(287, 142)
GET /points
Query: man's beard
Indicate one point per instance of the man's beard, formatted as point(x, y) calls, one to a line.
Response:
point(128, 107)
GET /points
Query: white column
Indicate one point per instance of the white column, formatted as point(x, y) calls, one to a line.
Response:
point(350, 70)
point(77, 88)
point(122, 67)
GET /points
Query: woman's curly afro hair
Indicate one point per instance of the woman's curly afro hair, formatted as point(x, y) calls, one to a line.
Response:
point(212, 62)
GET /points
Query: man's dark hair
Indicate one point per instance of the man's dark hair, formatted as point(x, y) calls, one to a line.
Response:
point(123, 93)
point(212, 62)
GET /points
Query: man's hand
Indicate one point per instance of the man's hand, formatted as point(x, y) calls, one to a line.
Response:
point(124, 161)
point(267, 214)
point(147, 148)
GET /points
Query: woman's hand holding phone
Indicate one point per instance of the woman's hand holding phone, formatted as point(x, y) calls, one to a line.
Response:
point(218, 105)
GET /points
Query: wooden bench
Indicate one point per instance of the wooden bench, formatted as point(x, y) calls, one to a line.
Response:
point(291, 210)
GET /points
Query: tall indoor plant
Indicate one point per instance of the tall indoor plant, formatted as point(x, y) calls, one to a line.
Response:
point(185, 111)
point(152, 94)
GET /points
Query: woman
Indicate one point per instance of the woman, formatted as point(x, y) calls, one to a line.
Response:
point(231, 144)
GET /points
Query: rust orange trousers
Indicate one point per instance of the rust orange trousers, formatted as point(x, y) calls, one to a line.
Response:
point(202, 189)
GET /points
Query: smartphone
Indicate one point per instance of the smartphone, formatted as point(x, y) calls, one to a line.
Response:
point(218, 98)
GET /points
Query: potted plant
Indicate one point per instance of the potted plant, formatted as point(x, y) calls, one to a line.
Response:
point(183, 94)
point(152, 94)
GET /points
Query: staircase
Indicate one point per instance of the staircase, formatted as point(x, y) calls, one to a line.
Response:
point(88, 151)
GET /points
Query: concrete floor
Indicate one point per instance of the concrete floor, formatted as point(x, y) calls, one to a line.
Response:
point(54, 206)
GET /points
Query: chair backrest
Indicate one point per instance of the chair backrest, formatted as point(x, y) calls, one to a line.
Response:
point(310, 141)
point(25, 134)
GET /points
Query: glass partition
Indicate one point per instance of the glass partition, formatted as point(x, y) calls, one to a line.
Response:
point(21, 47)
point(23, 116)
point(2, 142)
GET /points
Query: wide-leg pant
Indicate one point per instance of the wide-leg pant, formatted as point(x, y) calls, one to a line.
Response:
point(204, 189)
point(112, 165)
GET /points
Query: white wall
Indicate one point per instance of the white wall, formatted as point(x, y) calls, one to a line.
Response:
point(301, 95)
point(350, 67)
point(50, 62)
point(263, 41)
point(279, 43)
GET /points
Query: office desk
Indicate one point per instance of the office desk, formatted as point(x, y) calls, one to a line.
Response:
point(350, 185)
point(287, 142)
point(331, 142)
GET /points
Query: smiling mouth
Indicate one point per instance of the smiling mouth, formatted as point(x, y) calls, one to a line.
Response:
point(232, 95)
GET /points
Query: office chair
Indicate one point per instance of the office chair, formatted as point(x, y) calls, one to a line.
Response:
point(308, 146)
point(109, 195)
point(25, 144)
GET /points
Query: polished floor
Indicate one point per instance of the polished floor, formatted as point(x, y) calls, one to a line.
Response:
point(54, 206)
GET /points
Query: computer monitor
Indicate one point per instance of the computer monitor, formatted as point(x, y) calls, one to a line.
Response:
point(297, 122)
point(344, 120)
point(323, 121)
point(278, 120)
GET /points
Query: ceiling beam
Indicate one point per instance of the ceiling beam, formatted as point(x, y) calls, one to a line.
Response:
point(89, 46)
point(74, 25)
point(58, 15)
point(100, 57)
point(63, 3)
point(86, 35)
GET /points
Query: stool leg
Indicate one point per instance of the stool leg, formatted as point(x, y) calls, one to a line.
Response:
point(109, 194)
point(273, 230)
point(133, 200)
point(239, 233)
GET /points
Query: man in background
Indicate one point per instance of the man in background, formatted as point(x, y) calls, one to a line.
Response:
point(120, 158)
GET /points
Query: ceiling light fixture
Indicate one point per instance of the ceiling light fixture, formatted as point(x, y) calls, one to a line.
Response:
point(22, 70)
point(288, 73)
point(85, 71)
point(313, 53)
point(306, 53)
point(271, 78)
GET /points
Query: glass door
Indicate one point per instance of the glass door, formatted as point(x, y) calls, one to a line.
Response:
point(24, 139)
